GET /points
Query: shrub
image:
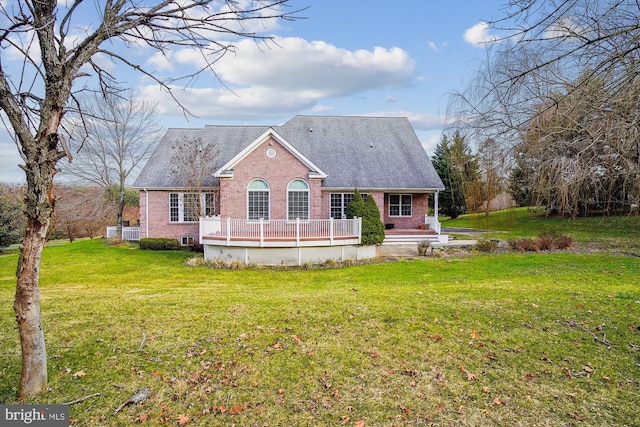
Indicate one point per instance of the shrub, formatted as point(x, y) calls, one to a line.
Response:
point(487, 245)
point(355, 207)
point(159, 244)
point(330, 264)
point(372, 226)
point(545, 243)
point(564, 242)
point(195, 262)
point(516, 244)
point(526, 245)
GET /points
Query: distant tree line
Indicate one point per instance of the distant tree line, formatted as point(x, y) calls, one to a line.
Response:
point(79, 213)
point(11, 215)
point(556, 104)
point(471, 179)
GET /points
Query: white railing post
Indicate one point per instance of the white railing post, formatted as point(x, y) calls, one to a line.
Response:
point(331, 231)
point(297, 231)
point(228, 230)
point(359, 229)
point(261, 232)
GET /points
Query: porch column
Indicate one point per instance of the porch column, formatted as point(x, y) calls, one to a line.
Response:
point(435, 204)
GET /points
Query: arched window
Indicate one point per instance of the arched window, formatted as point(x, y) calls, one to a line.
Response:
point(297, 200)
point(258, 200)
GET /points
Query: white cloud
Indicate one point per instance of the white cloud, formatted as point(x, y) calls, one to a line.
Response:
point(419, 121)
point(565, 28)
point(479, 35)
point(430, 141)
point(295, 75)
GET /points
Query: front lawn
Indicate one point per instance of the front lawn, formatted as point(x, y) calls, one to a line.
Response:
point(498, 339)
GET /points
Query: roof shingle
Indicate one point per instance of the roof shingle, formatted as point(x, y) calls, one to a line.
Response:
point(369, 153)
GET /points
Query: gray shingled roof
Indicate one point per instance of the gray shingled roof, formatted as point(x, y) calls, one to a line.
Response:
point(364, 152)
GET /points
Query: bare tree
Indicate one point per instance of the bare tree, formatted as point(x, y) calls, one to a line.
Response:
point(57, 47)
point(567, 37)
point(81, 211)
point(491, 165)
point(194, 162)
point(116, 136)
point(583, 153)
point(557, 57)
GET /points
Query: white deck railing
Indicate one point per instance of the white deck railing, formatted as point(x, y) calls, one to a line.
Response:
point(128, 233)
point(433, 222)
point(280, 230)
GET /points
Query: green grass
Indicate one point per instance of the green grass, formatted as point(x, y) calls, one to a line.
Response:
point(607, 232)
point(502, 339)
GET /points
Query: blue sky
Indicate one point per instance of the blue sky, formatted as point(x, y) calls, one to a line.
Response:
point(355, 57)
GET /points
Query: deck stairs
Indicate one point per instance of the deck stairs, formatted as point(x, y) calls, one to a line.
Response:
point(408, 237)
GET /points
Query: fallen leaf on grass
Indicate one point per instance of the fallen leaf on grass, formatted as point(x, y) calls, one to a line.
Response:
point(141, 418)
point(296, 339)
point(359, 423)
point(575, 416)
point(79, 374)
point(475, 335)
point(470, 376)
point(221, 409)
point(236, 409)
point(324, 380)
point(498, 401)
point(183, 419)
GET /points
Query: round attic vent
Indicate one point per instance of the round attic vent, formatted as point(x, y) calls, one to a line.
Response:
point(271, 153)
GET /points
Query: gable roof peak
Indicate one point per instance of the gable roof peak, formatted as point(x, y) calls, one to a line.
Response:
point(226, 171)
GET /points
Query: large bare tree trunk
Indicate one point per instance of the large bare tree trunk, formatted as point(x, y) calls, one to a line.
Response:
point(27, 308)
point(39, 210)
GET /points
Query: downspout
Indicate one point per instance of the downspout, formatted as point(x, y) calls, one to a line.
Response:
point(146, 213)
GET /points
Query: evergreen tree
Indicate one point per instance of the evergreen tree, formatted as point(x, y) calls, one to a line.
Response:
point(372, 226)
point(452, 200)
point(354, 209)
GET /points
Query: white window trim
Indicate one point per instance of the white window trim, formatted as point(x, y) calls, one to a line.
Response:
point(400, 215)
point(268, 191)
point(203, 202)
point(308, 191)
point(344, 207)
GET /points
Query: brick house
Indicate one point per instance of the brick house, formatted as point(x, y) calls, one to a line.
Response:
point(302, 171)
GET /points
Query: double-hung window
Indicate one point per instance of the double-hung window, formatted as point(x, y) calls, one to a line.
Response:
point(400, 204)
point(185, 207)
point(297, 200)
point(258, 200)
point(339, 203)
